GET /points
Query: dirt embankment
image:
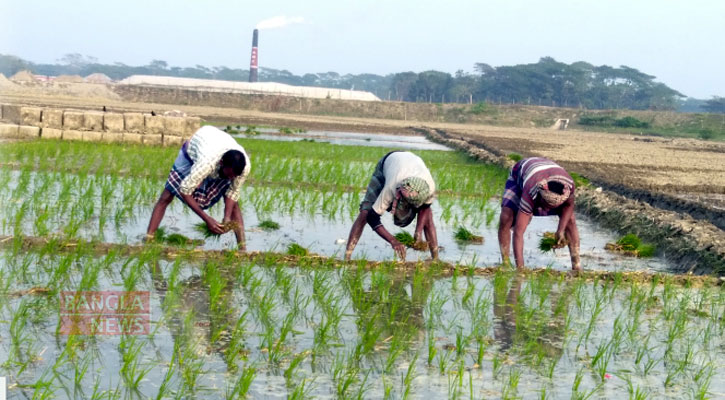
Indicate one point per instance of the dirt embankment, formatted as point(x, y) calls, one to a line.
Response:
point(682, 175)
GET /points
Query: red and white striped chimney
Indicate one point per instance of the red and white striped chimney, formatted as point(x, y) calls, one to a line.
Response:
point(253, 63)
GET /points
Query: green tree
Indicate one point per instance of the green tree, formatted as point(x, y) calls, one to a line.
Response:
point(715, 105)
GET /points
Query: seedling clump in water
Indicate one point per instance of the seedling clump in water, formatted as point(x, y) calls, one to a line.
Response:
point(464, 235)
point(175, 239)
point(631, 245)
point(269, 225)
point(296, 250)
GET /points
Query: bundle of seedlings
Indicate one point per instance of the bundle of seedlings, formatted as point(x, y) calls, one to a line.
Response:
point(296, 250)
point(251, 130)
point(631, 245)
point(548, 242)
point(269, 225)
point(409, 241)
point(464, 235)
point(175, 239)
point(202, 228)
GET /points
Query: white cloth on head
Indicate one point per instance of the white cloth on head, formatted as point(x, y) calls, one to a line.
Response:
point(397, 167)
point(206, 149)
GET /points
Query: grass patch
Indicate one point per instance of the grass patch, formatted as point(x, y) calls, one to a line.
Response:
point(579, 180)
point(515, 156)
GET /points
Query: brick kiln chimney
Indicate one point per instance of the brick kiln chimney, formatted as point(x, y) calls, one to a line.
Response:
point(253, 62)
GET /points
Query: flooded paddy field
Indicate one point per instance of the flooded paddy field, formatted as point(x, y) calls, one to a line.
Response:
point(225, 328)
point(228, 328)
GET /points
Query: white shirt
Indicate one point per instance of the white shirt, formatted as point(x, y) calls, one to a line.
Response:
point(397, 167)
point(206, 149)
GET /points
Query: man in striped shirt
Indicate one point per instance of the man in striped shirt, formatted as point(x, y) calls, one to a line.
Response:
point(537, 187)
point(210, 165)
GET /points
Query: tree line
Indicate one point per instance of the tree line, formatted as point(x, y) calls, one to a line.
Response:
point(547, 82)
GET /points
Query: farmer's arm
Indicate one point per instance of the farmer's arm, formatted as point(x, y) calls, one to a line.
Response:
point(213, 225)
point(373, 220)
point(522, 221)
point(566, 215)
point(355, 233)
point(233, 213)
point(199, 172)
point(425, 224)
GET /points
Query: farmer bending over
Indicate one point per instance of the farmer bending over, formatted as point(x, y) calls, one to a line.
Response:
point(537, 187)
point(210, 165)
point(401, 184)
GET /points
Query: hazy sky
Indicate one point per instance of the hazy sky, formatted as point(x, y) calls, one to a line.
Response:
point(680, 42)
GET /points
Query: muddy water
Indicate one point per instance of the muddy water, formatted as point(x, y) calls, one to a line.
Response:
point(352, 138)
point(326, 233)
point(328, 237)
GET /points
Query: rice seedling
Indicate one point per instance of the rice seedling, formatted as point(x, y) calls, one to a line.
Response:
point(175, 239)
point(631, 245)
point(207, 233)
point(295, 249)
point(409, 376)
point(548, 242)
point(241, 388)
point(515, 157)
point(269, 225)
point(407, 240)
point(464, 235)
point(251, 130)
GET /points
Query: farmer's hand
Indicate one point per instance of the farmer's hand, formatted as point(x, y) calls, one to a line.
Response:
point(399, 249)
point(215, 226)
point(560, 238)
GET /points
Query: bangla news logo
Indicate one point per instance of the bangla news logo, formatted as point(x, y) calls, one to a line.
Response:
point(104, 313)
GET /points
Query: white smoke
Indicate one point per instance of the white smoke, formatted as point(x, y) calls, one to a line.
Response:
point(279, 22)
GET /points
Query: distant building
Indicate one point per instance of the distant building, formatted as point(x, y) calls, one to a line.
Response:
point(268, 88)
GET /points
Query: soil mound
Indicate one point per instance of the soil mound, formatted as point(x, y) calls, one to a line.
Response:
point(23, 76)
point(5, 82)
point(98, 78)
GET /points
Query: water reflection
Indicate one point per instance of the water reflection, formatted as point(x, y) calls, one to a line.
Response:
point(198, 311)
point(533, 326)
point(392, 303)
